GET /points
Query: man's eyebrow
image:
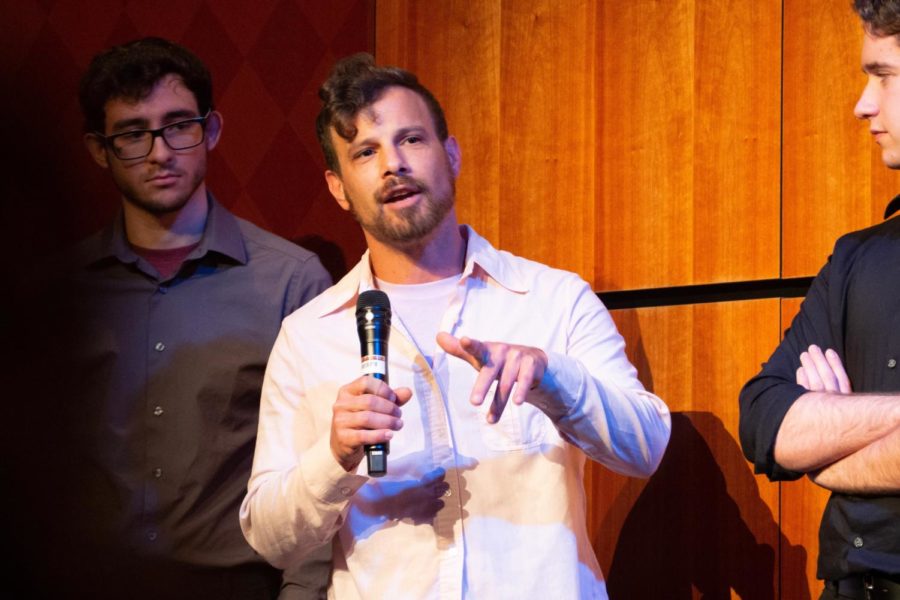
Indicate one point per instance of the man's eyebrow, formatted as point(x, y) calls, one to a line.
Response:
point(876, 66)
point(179, 114)
point(142, 123)
point(130, 123)
point(359, 143)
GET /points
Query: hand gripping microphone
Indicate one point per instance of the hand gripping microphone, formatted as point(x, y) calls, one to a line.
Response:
point(373, 324)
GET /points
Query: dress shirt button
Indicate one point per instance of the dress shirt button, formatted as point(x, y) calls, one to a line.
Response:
point(345, 491)
point(448, 493)
point(157, 472)
point(157, 411)
point(159, 347)
point(163, 289)
point(892, 363)
point(857, 541)
point(152, 535)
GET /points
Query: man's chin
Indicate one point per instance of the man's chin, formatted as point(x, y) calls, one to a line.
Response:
point(159, 207)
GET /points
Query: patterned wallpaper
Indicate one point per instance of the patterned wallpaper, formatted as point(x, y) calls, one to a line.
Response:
point(267, 59)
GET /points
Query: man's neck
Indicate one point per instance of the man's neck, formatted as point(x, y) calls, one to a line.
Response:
point(169, 230)
point(441, 255)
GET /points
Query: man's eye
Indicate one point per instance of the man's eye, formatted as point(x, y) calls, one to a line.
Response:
point(132, 136)
point(413, 139)
point(364, 153)
point(180, 126)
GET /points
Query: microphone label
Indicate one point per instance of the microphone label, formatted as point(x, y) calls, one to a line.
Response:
point(374, 364)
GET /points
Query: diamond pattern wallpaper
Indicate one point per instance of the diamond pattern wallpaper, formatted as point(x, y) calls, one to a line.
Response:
point(267, 59)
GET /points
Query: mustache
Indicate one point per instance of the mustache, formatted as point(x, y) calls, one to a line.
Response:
point(399, 182)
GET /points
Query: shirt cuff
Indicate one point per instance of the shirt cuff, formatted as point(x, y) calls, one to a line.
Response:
point(562, 381)
point(324, 476)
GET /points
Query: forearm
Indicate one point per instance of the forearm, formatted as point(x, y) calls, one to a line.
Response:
point(288, 514)
point(874, 469)
point(821, 428)
point(624, 428)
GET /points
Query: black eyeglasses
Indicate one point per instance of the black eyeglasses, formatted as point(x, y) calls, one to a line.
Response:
point(138, 143)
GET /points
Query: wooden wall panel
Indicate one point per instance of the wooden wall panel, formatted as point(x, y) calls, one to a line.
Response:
point(834, 180)
point(688, 142)
point(802, 505)
point(704, 522)
point(548, 115)
point(615, 156)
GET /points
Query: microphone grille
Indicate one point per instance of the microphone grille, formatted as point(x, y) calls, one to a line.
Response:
point(373, 298)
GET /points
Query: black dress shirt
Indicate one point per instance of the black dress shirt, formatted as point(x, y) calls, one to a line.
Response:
point(853, 307)
point(156, 394)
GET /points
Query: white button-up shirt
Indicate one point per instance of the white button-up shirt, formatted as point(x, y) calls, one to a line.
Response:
point(468, 509)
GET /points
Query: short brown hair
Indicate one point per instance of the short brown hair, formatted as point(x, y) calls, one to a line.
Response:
point(356, 83)
point(130, 71)
point(880, 17)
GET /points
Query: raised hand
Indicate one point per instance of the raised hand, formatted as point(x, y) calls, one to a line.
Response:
point(507, 364)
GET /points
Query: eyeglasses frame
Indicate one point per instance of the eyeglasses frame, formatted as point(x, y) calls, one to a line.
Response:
point(155, 133)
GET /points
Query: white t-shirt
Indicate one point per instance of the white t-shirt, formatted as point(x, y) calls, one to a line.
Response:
point(420, 307)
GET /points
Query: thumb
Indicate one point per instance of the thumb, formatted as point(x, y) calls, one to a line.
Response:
point(466, 349)
point(403, 395)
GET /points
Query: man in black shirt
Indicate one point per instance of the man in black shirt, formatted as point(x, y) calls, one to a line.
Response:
point(153, 342)
point(827, 403)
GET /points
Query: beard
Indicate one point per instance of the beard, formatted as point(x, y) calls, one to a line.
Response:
point(407, 225)
point(163, 202)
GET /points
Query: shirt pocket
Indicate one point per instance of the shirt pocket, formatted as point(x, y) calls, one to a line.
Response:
point(519, 427)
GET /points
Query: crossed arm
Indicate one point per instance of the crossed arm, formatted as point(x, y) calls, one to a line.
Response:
point(846, 442)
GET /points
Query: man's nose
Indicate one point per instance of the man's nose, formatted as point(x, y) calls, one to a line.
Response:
point(867, 105)
point(394, 162)
point(160, 151)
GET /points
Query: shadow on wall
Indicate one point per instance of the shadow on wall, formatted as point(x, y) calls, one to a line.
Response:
point(331, 255)
point(689, 531)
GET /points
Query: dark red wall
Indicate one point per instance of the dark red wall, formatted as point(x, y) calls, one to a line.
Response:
point(267, 58)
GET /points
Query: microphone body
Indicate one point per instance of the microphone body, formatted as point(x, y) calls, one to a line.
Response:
point(373, 325)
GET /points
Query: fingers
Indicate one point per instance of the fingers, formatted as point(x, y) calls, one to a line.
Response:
point(802, 379)
point(812, 373)
point(367, 411)
point(822, 371)
point(840, 373)
point(460, 348)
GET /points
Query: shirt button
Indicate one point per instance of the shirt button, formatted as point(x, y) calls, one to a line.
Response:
point(448, 493)
point(157, 472)
point(892, 363)
point(345, 491)
point(159, 347)
point(157, 411)
point(151, 535)
point(163, 289)
point(857, 541)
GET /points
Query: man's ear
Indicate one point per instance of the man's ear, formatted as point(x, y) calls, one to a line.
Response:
point(451, 146)
point(336, 187)
point(97, 149)
point(214, 124)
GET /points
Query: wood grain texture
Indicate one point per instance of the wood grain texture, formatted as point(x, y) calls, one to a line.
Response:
point(834, 180)
point(548, 115)
point(802, 505)
point(688, 142)
point(704, 522)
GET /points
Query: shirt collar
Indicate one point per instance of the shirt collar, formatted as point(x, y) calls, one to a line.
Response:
point(482, 261)
point(222, 234)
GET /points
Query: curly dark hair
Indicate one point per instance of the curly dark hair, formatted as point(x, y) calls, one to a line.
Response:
point(130, 71)
point(880, 17)
point(356, 83)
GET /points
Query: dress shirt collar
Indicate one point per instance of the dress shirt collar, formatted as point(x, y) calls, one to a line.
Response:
point(482, 261)
point(222, 235)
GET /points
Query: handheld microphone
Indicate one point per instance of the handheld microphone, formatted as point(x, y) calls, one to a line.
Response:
point(373, 324)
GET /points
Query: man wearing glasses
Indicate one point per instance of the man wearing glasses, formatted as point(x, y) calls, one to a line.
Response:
point(170, 314)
